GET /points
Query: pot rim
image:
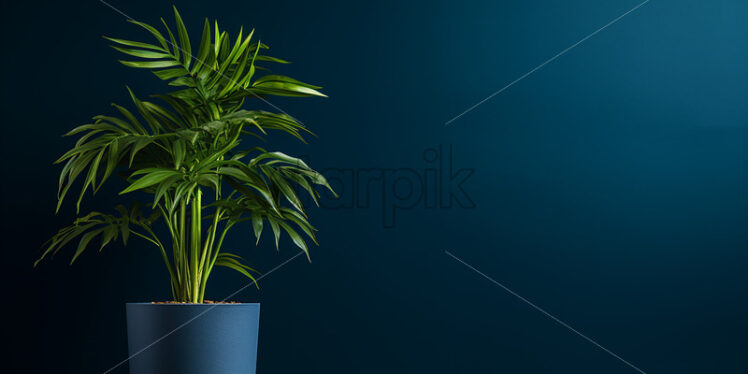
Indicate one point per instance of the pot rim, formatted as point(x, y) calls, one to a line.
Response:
point(192, 304)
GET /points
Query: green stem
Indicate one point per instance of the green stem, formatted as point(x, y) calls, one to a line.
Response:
point(209, 240)
point(220, 243)
point(206, 267)
point(170, 222)
point(182, 251)
point(196, 242)
point(214, 254)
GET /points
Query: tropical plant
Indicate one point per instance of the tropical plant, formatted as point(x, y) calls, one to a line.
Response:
point(184, 152)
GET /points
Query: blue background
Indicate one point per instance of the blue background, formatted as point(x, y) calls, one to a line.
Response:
point(609, 186)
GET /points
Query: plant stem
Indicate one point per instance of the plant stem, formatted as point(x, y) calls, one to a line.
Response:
point(182, 252)
point(196, 243)
point(176, 273)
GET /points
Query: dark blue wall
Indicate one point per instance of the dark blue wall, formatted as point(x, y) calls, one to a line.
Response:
point(609, 187)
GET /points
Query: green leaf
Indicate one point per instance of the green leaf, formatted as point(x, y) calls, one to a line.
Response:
point(125, 232)
point(140, 143)
point(130, 43)
point(257, 226)
point(184, 81)
point(94, 224)
point(150, 64)
point(114, 155)
point(142, 53)
point(280, 157)
point(296, 238)
point(232, 261)
point(150, 179)
point(90, 177)
point(110, 233)
point(271, 59)
point(276, 231)
point(130, 117)
point(84, 242)
point(205, 45)
point(284, 89)
point(153, 31)
point(283, 186)
point(163, 188)
point(283, 79)
point(300, 221)
point(173, 40)
point(156, 127)
point(167, 74)
point(184, 39)
point(179, 151)
point(217, 40)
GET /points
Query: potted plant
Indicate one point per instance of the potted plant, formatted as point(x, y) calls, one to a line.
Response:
point(185, 155)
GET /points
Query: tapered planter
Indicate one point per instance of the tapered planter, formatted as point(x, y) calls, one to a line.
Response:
point(192, 338)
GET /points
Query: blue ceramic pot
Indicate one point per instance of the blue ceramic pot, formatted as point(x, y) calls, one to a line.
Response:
point(192, 338)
